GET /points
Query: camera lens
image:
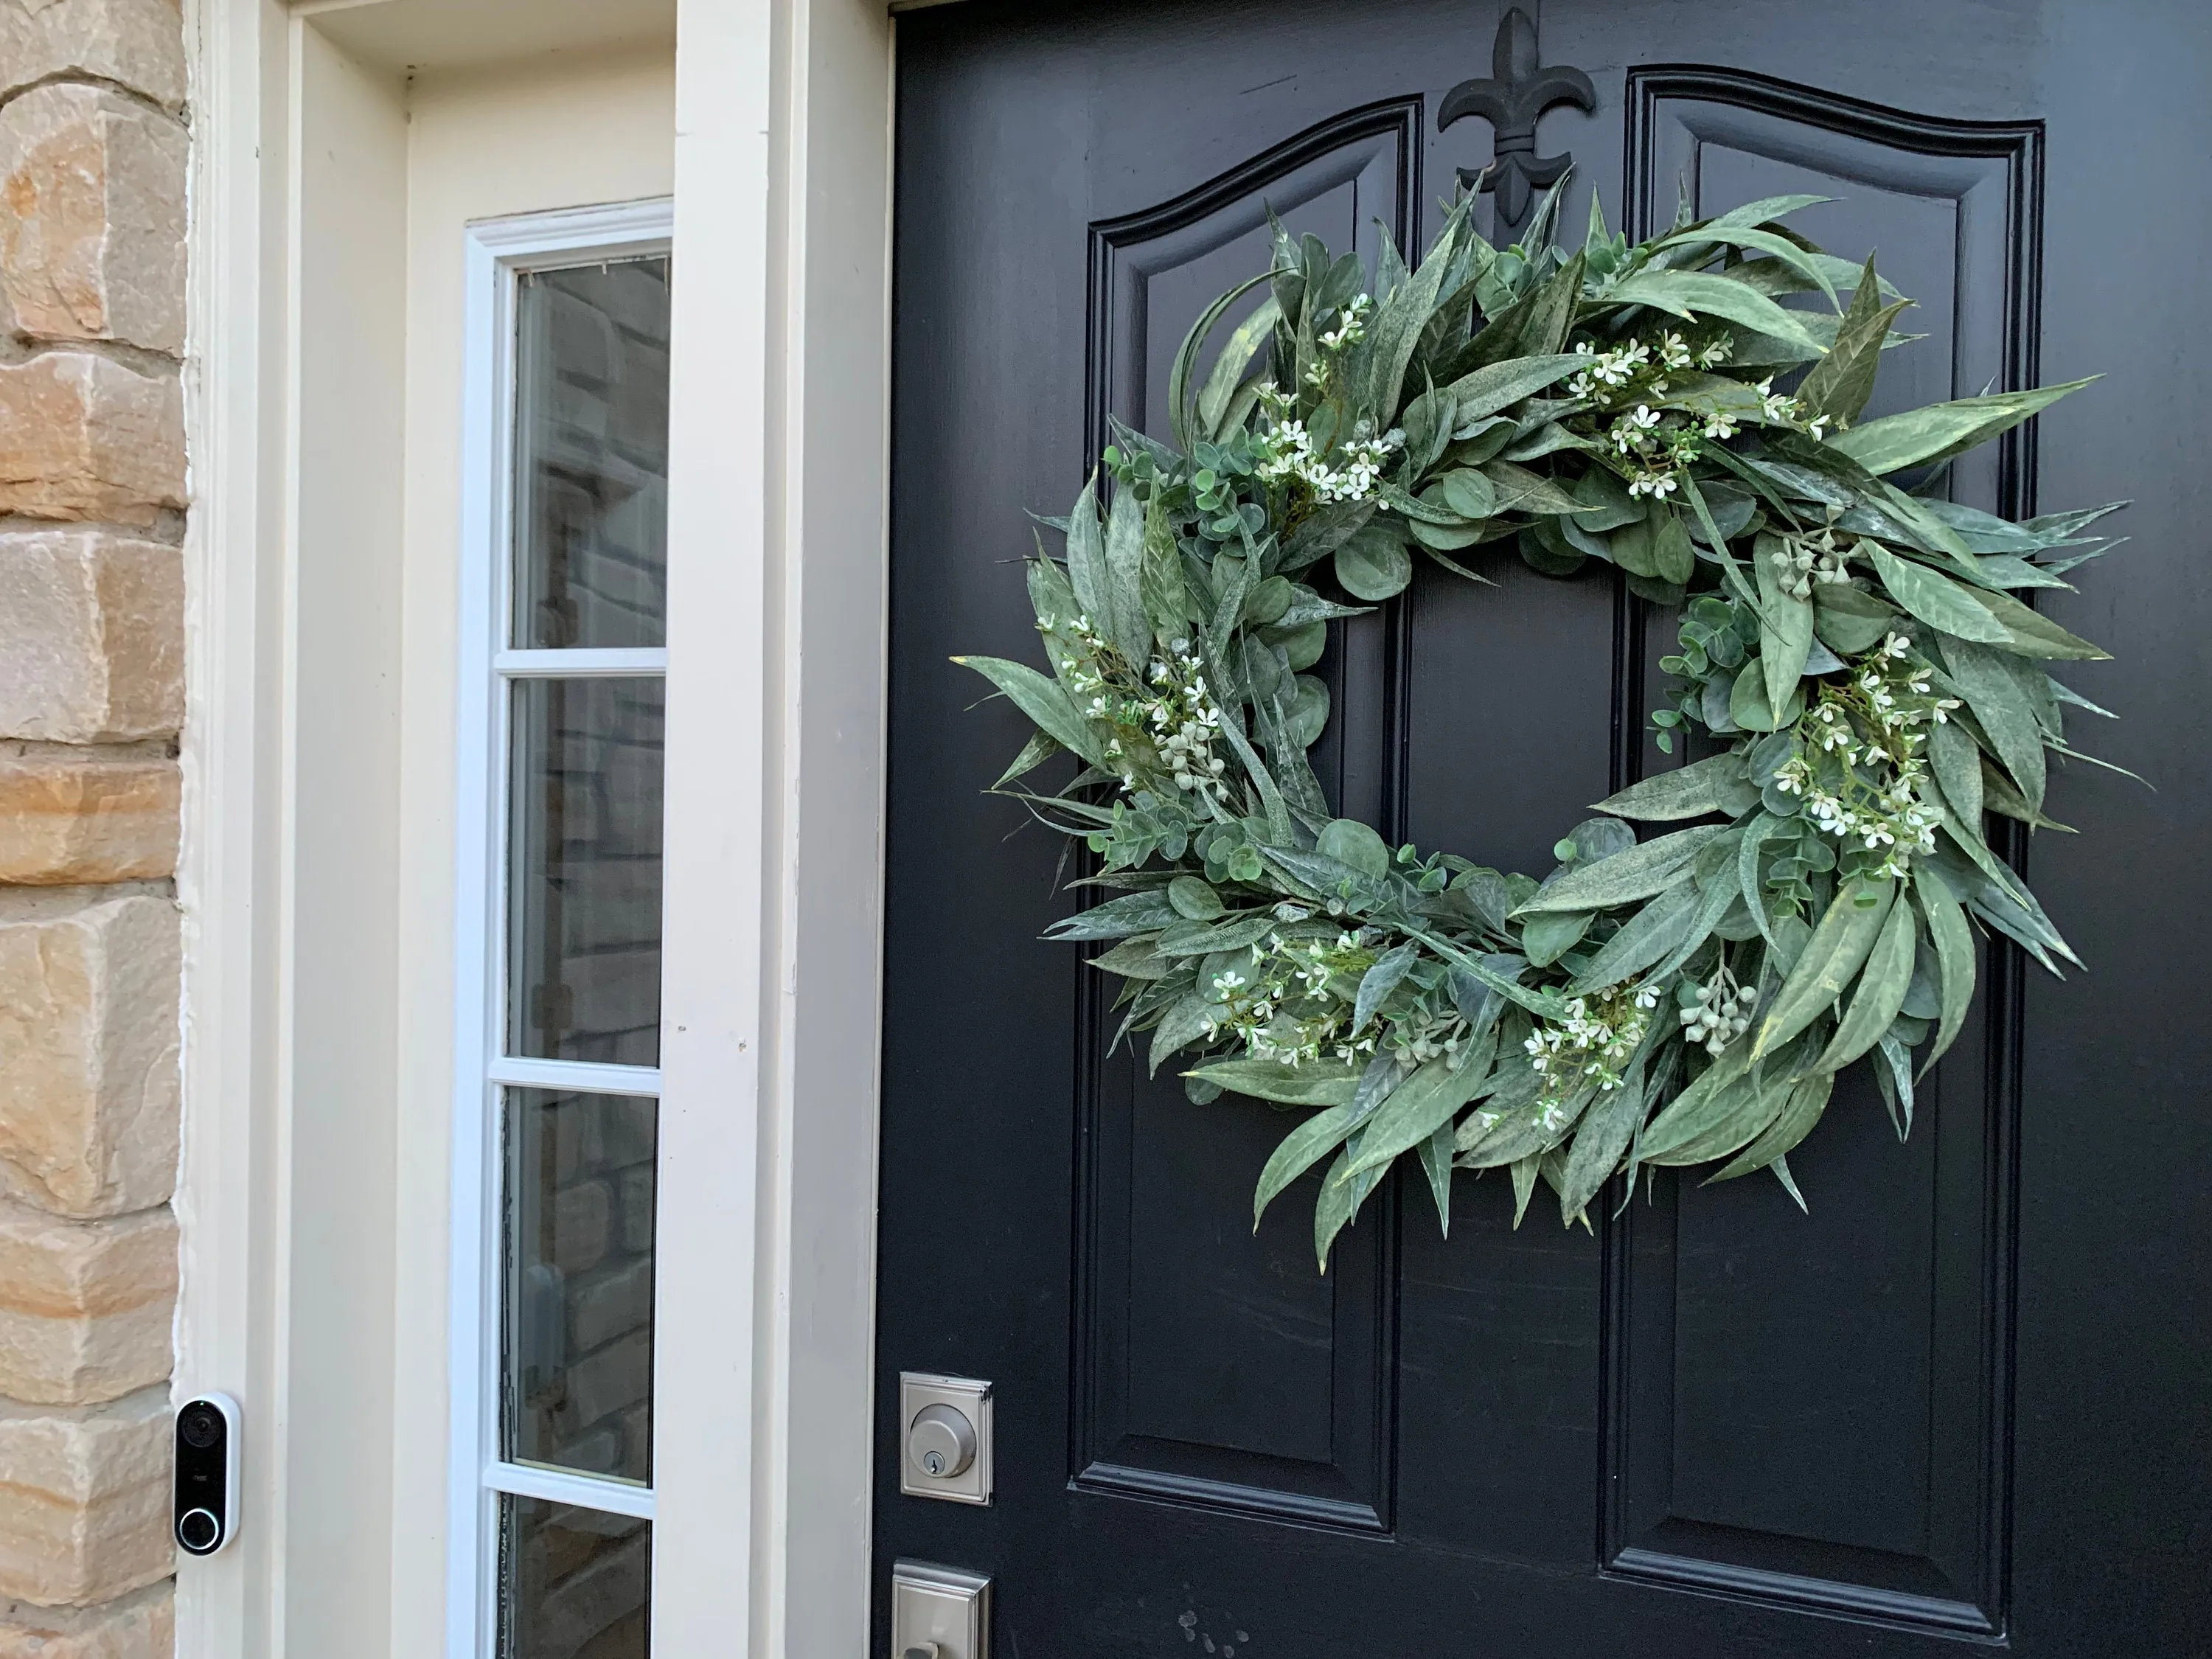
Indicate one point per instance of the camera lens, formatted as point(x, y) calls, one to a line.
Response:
point(201, 1427)
point(199, 1530)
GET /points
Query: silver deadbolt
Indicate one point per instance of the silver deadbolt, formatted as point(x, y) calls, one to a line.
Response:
point(945, 1438)
point(941, 1441)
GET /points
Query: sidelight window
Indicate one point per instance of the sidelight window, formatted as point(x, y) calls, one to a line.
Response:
point(564, 657)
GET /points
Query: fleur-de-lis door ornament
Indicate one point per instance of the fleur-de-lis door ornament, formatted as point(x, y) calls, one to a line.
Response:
point(1516, 95)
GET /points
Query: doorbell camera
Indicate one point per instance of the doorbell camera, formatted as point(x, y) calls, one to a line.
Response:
point(207, 1473)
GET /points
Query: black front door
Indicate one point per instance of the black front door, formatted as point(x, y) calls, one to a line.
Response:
point(1965, 1398)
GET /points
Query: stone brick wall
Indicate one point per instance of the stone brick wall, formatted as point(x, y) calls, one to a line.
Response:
point(92, 149)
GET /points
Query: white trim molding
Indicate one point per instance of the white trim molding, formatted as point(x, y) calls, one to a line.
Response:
point(778, 515)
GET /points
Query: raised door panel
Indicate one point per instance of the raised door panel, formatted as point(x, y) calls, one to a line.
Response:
point(1813, 1408)
point(1213, 1367)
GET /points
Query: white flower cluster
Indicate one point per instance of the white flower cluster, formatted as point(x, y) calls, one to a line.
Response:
point(1804, 560)
point(1594, 1042)
point(1166, 724)
point(1721, 1013)
point(1779, 409)
point(1351, 325)
point(1863, 771)
point(1286, 451)
point(1184, 721)
point(1282, 1009)
point(1611, 372)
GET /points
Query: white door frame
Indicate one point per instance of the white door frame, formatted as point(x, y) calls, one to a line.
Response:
point(774, 854)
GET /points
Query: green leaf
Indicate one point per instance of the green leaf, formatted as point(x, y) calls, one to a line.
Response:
point(1954, 938)
point(1714, 1101)
point(1807, 1097)
point(1643, 939)
point(1765, 209)
point(1600, 1139)
point(2030, 634)
point(1309, 711)
point(1044, 700)
point(1356, 846)
point(1339, 1203)
point(1087, 560)
point(1165, 599)
point(1546, 938)
point(1498, 386)
point(1134, 958)
point(1520, 490)
point(1187, 1020)
point(1118, 918)
point(1182, 410)
point(1957, 759)
point(1841, 382)
point(1126, 623)
point(1715, 784)
point(1299, 1150)
point(1373, 564)
point(1416, 1109)
point(1936, 600)
point(1315, 1084)
point(1636, 873)
point(1041, 748)
point(1850, 620)
point(1221, 382)
point(1762, 241)
point(1992, 689)
point(1467, 493)
point(1940, 430)
point(1673, 558)
point(1395, 328)
point(1195, 900)
point(1881, 992)
point(1747, 704)
point(1832, 956)
point(1381, 978)
point(1785, 628)
point(1437, 1164)
point(1686, 293)
point(1327, 529)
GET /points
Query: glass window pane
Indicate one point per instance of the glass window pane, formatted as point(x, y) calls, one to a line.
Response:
point(573, 1583)
point(590, 462)
point(583, 916)
point(577, 1370)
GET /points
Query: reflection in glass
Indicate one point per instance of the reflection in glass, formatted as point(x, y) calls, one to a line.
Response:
point(584, 912)
point(572, 1582)
point(591, 463)
point(577, 1369)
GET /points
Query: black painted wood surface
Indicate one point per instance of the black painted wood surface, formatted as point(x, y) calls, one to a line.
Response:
point(1965, 1398)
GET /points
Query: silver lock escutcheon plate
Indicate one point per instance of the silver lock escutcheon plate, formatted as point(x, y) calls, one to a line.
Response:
point(945, 1438)
point(940, 1613)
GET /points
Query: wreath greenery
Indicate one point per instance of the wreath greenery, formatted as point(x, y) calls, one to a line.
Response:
point(1851, 645)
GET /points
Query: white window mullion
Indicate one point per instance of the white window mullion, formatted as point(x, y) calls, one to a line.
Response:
point(558, 1487)
point(580, 1076)
point(642, 662)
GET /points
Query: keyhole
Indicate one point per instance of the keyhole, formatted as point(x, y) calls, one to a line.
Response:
point(934, 1462)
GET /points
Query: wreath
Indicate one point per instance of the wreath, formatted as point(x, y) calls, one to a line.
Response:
point(1857, 669)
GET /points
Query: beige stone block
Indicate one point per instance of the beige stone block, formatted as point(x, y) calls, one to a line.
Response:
point(83, 437)
point(91, 636)
point(88, 1084)
point(92, 217)
point(139, 44)
point(87, 1511)
point(141, 1626)
point(85, 1306)
point(71, 817)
